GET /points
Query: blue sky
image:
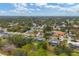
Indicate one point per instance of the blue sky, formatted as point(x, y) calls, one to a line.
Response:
point(39, 9)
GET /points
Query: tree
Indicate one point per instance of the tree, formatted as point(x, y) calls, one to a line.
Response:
point(3, 42)
point(19, 52)
point(75, 54)
point(28, 48)
point(0, 43)
point(28, 40)
point(47, 29)
point(39, 52)
point(42, 45)
point(17, 40)
point(62, 49)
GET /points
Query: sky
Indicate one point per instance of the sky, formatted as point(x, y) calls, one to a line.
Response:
point(39, 9)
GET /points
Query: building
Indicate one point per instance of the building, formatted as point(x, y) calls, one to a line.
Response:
point(8, 47)
point(54, 42)
point(39, 39)
point(59, 33)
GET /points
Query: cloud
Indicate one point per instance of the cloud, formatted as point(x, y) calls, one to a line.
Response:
point(31, 4)
point(70, 3)
point(1, 12)
point(20, 8)
point(53, 7)
point(38, 9)
point(24, 9)
point(20, 5)
point(75, 8)
point(71, 9)
point(40, 4)
point(31, 9)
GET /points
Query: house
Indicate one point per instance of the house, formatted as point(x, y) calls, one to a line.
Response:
point(56, 27)
point(34, 24)
point(29, 33)
point(1, 29)
point(54, 42)
point(75, 26)
point(39, 39)
point(72, 44)
point(3, 34)
point(38, 34)
point(61, 38)
point(63, 25)
point(8, 47)
point(13, 24)
point(59, 33)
